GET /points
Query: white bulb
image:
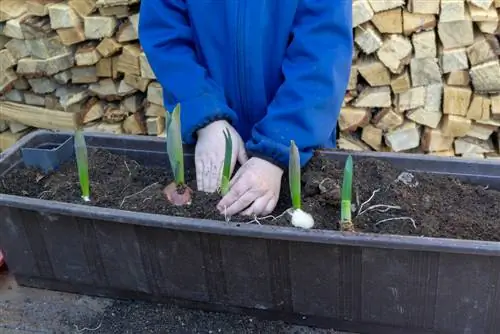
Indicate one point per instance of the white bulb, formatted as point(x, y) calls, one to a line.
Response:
point(302, 219)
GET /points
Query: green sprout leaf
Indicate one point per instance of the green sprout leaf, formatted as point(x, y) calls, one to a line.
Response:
point(82, 163)
point(345, 209)
point(174, 144)
point(294, 175)
point(226, 170)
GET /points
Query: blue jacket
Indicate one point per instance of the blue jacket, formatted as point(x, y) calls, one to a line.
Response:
point(275, 69)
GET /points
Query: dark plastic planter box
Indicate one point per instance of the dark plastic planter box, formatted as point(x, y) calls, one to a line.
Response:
point(362, 283)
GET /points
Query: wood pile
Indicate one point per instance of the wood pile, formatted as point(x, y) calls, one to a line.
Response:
point(425, 75)
point(425, 78)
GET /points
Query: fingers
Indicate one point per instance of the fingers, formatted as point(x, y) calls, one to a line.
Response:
point(238, 198)
point(199, 174)
point(259, 207)
point(210, 176)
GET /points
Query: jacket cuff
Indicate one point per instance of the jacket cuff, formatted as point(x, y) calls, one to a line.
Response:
point(275, 153)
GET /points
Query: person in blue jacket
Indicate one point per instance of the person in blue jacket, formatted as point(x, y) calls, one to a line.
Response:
point(268, 70)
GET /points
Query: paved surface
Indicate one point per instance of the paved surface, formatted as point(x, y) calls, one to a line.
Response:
point(26, 310)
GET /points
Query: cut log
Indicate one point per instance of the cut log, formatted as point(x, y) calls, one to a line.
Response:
point(413, 22)
point(93, 110)
point(350, 119)
point(30, 67)
point(372, 136)
point(387, 119)
point(456, 100)
point(84, 74)
point(424, 44)
point(455, 126)
point(479, 108)
point(137, 82)
point(457, 33)
point(350, 143)
point(43, 85)
point(146, 70)
point(481, 131)
point(135, 124)
point(87, 54)
point(411, 99)
point(379, 6)
point(458, 78)
point(104, 68)
point(132, 104)
point(374, 72)
point(453, 60)
point(98, 27)
point(62, 16)
point(117, 11)
point(371, 97)
point(452, 11)
point(389, 21)
point(467, 145)
point(395, 53)
point(353, 77)
point(400, 83)
point(109, 47)
point(433, 140)
point(361, 12)
point(71, 36)
point(45, 48)
point(482, 50)
point(106, 89)
point(7, 60)
point(36, 117)
point(404, 137)
point(155, 93)
point(424, 6)
point(486, 77)
point(128, 61)
point(83, 7)
point(126, 33)
point(7, 79)
point(425, 71)
point(18, 48)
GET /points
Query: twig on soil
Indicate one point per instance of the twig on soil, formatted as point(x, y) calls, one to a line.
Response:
point(273, 218)
point(88, 329)
point(126, 166)
point(368, 200)
point(43, 193)
point(397, 218)
point(137, 193)
point(380, 208)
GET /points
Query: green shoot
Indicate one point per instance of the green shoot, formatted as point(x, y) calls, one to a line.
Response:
point(294, 175)
point(345, 208)
point(226, 170)
point(82, 163)
point(174, 144)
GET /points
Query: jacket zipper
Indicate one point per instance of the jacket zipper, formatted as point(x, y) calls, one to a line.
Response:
point(240, 57)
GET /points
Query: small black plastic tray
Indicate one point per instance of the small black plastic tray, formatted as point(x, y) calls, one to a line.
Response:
point(362, 283)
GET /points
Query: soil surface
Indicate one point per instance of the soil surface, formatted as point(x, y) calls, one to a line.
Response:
point(385, 200)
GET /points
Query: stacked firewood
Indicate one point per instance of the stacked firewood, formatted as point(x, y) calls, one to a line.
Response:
point(425, 78)
point(425, 75)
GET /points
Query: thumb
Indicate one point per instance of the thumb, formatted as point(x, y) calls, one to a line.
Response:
point(242, 154)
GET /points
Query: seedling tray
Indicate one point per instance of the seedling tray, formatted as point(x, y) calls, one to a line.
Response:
point(359, 282)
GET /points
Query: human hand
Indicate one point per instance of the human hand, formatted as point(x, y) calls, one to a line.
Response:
point(209, 154)
point(256, 185)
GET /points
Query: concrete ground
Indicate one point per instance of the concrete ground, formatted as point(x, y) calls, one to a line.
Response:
point(25, 310)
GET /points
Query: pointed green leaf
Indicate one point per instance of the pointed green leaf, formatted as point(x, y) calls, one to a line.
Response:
point(345, 210)
point(226, 170)
point(82, 163)
point(174, 144)
point(294, 175)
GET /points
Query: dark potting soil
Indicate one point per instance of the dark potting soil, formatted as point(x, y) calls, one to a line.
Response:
point(400, 203)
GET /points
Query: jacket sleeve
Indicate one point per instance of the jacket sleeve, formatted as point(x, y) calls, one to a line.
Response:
point(167, 40)
point(316, 72)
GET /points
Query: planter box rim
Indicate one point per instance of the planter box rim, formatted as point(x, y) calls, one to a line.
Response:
point(415, 243)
